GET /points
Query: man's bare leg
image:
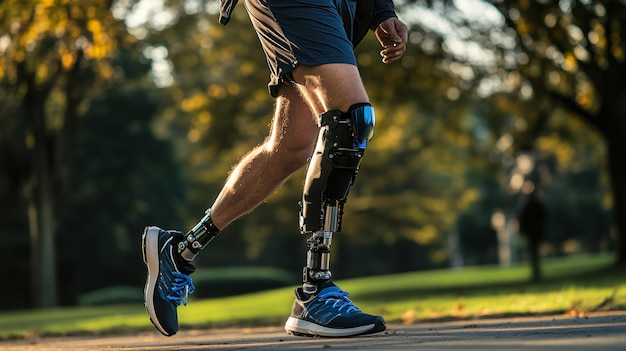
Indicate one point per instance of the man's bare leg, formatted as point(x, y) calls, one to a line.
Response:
point(291, 140)
point(266, 167)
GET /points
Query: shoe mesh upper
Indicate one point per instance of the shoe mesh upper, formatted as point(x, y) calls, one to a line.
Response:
point(330, 307)
point(174, 283)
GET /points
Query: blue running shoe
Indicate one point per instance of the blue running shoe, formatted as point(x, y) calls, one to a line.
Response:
point(168, 284)
point(329, 312)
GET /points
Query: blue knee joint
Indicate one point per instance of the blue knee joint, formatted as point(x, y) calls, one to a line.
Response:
point(363, 122)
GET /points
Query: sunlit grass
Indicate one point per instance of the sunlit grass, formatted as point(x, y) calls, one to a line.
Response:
point(572, 284)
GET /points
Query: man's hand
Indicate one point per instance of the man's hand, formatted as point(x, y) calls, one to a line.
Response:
point(393, 36)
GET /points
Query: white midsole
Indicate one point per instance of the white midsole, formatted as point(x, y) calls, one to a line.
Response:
point(151, 242)
point(304, 327)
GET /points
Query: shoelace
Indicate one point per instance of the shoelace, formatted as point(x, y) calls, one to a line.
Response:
point(340, 300)
point(181, 288)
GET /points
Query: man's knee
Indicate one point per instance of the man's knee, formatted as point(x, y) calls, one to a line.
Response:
point(300, 154)
point(290, 155)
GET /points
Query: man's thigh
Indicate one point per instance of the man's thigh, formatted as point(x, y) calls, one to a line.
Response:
point(330, 86)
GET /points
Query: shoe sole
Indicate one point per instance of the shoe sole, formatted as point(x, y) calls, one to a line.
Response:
point(299, 327)
point(150, 241)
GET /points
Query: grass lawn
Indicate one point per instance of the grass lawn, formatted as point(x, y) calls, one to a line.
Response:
point(577, 284)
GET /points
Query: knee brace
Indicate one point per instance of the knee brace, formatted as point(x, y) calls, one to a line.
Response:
point(341, 143)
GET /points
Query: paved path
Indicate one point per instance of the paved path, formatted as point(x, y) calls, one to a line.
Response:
point(597, 332)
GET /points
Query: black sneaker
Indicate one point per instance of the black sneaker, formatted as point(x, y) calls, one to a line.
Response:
point(329, 312)
point(168, 284)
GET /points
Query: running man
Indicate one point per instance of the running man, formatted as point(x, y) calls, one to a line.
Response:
point(323, 119)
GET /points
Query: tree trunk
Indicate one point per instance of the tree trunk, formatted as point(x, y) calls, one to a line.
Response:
point(617, 169)
point(535, 260)
point(47, 228)
point(40, 202)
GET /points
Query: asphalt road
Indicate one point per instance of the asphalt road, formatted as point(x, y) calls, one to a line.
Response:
point(597, 332)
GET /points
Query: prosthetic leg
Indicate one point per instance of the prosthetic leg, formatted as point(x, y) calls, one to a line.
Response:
point(341, 142)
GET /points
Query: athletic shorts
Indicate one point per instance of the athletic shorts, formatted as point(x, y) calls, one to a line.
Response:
point(302, 32)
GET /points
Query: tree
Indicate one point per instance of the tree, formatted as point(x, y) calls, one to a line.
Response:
point(572, 54)
point(53, 54)
point(534, 62)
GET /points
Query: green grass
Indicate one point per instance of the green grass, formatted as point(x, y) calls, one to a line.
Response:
point(578, 284)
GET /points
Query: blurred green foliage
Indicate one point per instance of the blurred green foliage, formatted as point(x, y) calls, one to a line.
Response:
point(141, 124)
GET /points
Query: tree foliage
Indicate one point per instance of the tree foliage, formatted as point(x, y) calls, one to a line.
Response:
point(53, 54)
point(109, 125)
point(572, 55)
